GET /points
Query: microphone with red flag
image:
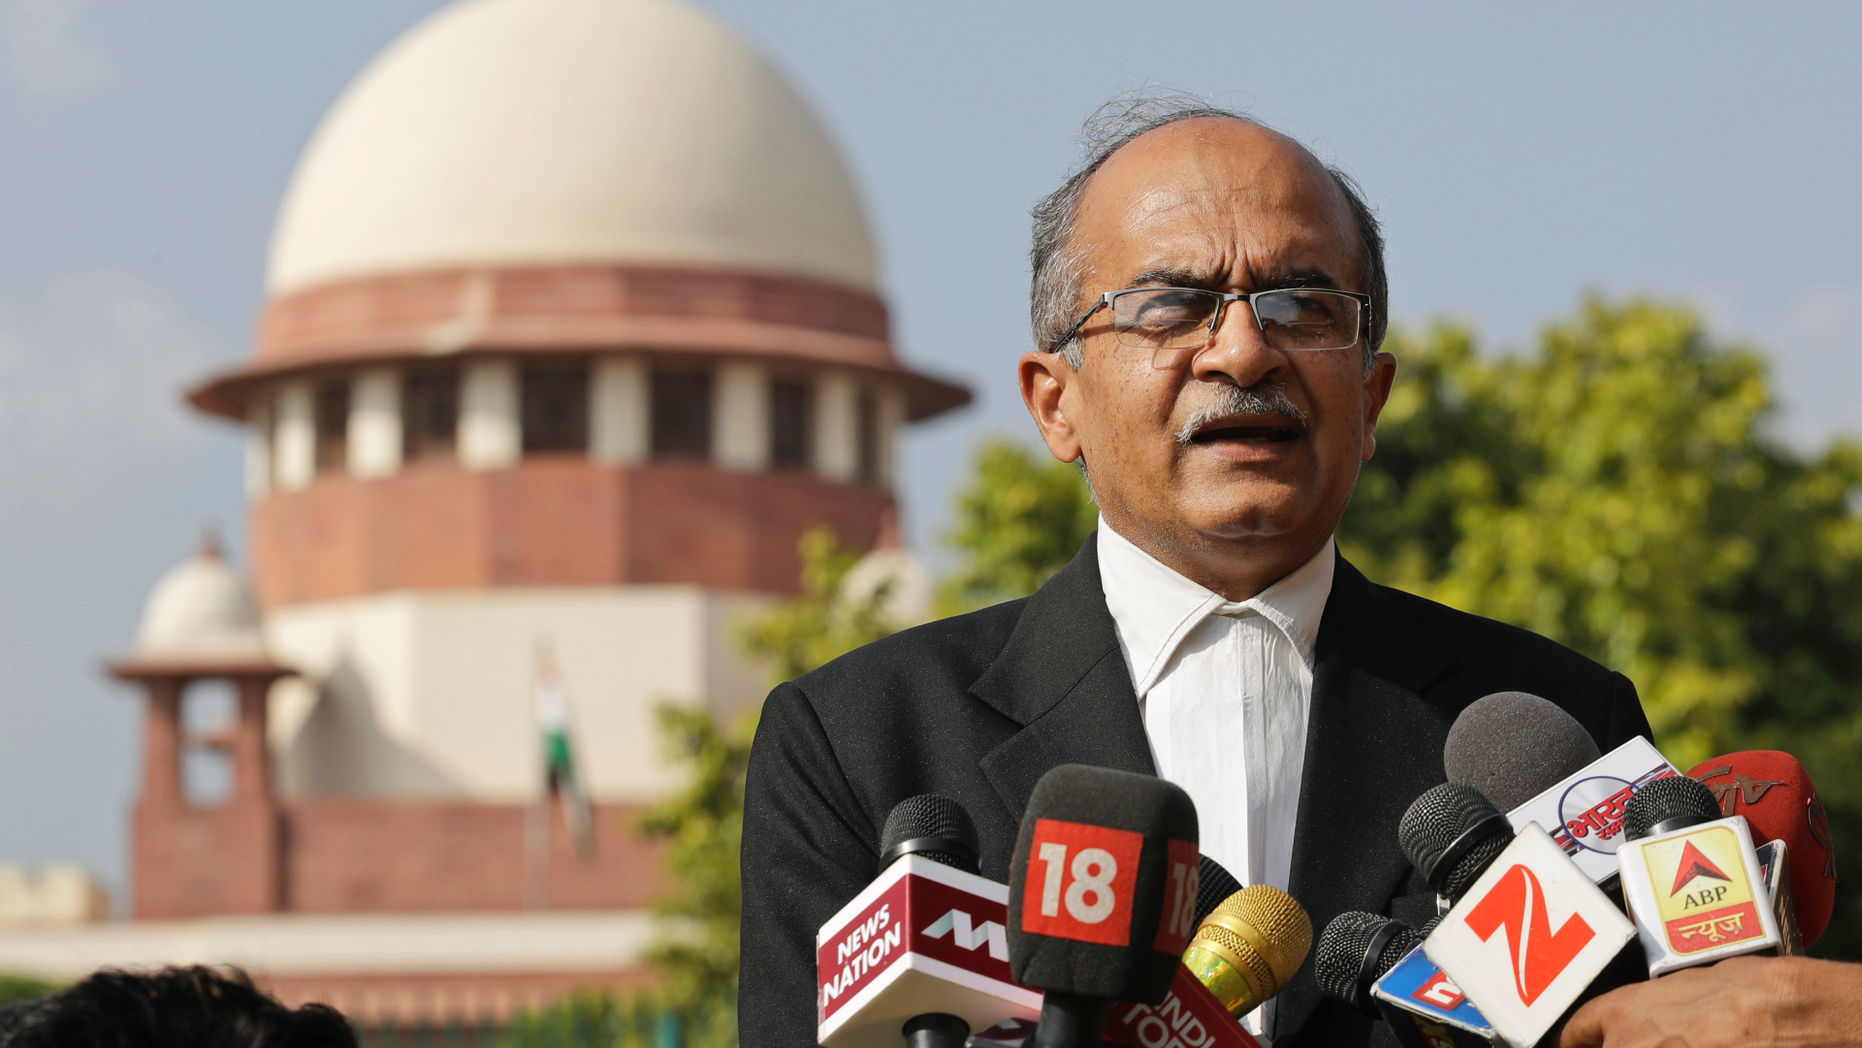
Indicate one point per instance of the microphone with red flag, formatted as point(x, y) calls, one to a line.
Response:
point(1775, 795)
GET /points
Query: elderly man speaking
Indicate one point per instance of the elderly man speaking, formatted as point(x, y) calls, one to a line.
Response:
point(1208, 303)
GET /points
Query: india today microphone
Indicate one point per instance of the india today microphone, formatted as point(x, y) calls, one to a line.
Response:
point(1774, 793)
point(1528, 932)
point(1102, 896)
point(1247, 946)
point(919, 958)
point(1692, 879)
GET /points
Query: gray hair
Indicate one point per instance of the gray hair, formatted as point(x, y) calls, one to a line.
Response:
point(1059, 271)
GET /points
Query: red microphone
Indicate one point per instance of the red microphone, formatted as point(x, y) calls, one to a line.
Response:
point(1774, 792)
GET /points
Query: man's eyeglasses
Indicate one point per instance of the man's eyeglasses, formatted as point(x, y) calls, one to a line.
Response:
point(1294, 319)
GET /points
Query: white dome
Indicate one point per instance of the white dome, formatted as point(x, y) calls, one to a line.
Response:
point(514, 132)
point(909, 590)
point(199, 610)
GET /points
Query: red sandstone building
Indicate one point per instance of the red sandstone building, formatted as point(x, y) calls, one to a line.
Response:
point(573, 328)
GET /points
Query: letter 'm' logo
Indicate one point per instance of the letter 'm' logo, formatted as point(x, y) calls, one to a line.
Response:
point(1517, 903)
point(956, 924)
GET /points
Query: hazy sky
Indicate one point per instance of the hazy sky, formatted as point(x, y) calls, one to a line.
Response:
point(1518, 154)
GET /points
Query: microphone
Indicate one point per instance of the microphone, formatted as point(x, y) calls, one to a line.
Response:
point(1213, 887)
point(1356, 950)
point(1450, 835)
point(1247, 950)
point(1692, 879)
point(1529, 931)
point(1513, 746)
point(1774, 793)
point(921, 955)
point(1376, 965)
point(1101, 896)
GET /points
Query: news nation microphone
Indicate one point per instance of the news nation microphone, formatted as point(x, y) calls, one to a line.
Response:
point(921, 956)
point(1774, 793)
point(1102, 896)
point(1692, 879)
point(1529, 932)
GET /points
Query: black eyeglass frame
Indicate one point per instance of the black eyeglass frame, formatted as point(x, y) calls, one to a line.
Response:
point(1215, 318)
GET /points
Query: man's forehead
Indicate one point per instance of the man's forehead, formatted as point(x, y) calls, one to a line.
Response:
point(1216, 174)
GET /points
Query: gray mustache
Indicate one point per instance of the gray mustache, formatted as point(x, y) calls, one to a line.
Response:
point(1260, 398)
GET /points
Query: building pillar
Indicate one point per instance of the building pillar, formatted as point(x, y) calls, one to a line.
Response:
point(252, 759)
point(891, 423)
point(294, 437)
point(375, 423)
point(740, 416)
point(259, 449)
point(837, 425)
point(491, 435)
point(620, 408)
point(161, 743)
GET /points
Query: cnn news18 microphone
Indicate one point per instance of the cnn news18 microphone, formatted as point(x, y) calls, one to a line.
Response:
point(1774, 793)
point(1102, 896)
point(921, 956)
point(1529, 932)
point(1692, 878)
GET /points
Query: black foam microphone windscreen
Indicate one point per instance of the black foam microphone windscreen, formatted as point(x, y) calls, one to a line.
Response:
point(1673, 803)
point(1450, 834)
point(1513, 746)
point(931, 825)
point(1356, 950)
point(1102, 902)
point(1213, 886)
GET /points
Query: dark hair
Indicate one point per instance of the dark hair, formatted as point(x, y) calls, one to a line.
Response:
point(1058, 279)
point(194, 1007)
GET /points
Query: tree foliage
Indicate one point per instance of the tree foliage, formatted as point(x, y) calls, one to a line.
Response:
point(1617, 490)
point(823, 623)
point(702, 827)
point(1019, 520)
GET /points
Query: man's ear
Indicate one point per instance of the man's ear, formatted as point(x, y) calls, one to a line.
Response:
point(1376, 394)
point(1046, 379)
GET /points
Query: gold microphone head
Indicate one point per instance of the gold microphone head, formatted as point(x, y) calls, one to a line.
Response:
point(1250, 946)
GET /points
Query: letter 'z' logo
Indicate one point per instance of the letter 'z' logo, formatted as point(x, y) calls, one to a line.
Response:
point(956, 924)
point(1517, 903)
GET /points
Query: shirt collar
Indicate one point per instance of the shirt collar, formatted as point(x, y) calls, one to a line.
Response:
point(1155, 608)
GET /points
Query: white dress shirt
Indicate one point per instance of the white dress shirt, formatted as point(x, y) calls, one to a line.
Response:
point(1224, 689)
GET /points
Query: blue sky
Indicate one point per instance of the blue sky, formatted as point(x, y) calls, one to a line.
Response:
point(1519, 155)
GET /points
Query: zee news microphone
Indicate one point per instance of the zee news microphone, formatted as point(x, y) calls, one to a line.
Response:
point(921, 956)
point(1102, 897)
point(1529, 932)
point(1692, 879)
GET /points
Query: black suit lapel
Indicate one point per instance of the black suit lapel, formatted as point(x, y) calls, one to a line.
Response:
point(1062, 677)
point(1372, 745)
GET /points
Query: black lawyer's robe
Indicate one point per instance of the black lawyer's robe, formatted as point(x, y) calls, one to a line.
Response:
point(978, 707)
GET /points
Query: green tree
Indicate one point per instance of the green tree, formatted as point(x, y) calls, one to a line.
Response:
point(702, 827)
point(823, 623)
point(1020, 519)
point(1618, 490)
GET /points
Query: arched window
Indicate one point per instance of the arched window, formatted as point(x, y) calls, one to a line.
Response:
point(791, 422)
point(429, 412)
point(555, 405)
point(330, 410)
point(681, 411)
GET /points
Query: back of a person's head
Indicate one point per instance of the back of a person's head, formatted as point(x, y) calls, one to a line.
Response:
point(179, 1007)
